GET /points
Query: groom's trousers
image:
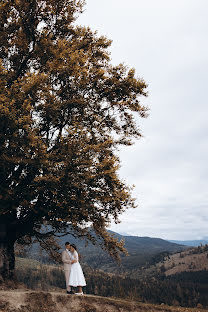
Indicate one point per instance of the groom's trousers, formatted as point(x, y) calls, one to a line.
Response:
point(67, 274)
point(67, 267)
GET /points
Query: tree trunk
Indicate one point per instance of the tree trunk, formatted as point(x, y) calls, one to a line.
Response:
point(7, 258)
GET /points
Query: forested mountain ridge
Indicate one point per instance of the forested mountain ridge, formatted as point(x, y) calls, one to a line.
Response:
point(140, 249)
point(193, 243)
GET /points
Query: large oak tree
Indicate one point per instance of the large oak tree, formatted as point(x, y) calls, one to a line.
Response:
point(64, 111)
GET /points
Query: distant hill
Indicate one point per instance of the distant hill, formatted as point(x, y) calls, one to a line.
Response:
point(140, 249)
point(193, 243)
point(191, 260)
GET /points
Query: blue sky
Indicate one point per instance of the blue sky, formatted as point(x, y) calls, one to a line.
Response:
point(167, 43)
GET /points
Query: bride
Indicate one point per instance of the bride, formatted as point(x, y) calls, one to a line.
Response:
point(76, 278)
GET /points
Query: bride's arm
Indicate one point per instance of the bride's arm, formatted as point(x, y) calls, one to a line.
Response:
point(73, 261)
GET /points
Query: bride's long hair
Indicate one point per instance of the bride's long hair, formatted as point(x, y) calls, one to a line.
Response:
point(75, 247)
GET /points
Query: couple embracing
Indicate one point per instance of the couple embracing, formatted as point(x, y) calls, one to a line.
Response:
point(73, 271)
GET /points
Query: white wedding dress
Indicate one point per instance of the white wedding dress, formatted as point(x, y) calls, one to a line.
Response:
point(76, 277)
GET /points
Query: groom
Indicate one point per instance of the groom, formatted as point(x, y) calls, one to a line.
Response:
point(67, 261)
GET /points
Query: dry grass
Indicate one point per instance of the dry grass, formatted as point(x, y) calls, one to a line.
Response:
point(35, 301)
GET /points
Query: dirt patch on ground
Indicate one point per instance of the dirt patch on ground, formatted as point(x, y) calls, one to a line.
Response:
point(34, 301)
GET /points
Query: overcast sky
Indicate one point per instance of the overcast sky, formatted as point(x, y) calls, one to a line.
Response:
point(167, 43)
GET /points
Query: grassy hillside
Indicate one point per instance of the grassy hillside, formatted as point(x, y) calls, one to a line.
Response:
point(191, 260)
point(171, 291)
point(174, 279)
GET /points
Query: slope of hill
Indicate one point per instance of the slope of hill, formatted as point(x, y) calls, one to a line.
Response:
point(192, 260)
point(31, 301)
point(141, 250)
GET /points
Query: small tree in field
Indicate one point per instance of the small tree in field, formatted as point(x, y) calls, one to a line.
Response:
point(64, 110)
